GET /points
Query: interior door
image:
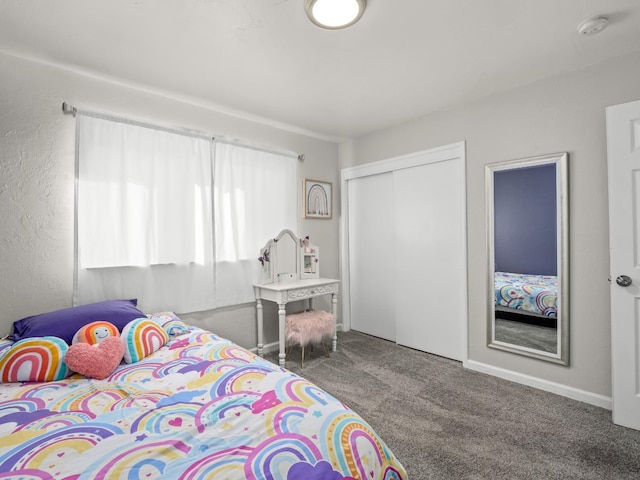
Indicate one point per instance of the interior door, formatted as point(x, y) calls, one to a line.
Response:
point(430, 287)
point(623, 151)
point(371, 259)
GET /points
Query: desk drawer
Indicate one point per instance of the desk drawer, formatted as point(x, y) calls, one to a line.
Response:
point(307, 292)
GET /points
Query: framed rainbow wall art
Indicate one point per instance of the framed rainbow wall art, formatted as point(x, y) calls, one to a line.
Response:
point(317, 199)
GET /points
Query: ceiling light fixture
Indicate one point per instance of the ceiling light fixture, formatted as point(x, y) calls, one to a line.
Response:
point(334, 14)
point(594, 25)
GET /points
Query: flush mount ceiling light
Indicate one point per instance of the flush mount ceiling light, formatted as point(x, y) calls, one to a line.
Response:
point(334, 14)
point(594, 25)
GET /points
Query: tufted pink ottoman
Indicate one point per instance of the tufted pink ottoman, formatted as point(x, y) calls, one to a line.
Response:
point(308, 327)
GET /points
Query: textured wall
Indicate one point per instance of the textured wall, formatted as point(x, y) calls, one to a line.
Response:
point(37, 184)
point(36, 198)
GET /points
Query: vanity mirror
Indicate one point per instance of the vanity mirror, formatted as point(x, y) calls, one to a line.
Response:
point(527, 228)
point(279, 258)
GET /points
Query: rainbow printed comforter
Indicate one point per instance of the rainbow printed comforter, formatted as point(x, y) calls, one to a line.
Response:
point(536, 294)
point(201, 407)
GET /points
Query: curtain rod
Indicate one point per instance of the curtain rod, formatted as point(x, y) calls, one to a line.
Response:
point(69, 109)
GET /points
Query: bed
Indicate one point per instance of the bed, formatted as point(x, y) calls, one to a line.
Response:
point(199, 407)
point(530, 295)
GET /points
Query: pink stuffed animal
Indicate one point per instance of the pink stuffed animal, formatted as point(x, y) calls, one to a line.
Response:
point(95, 361)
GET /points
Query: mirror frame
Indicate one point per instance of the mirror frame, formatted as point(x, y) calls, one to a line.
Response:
point(560, 160)
point(271, 257)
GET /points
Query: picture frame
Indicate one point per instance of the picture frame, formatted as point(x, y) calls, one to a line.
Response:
point(318, 199)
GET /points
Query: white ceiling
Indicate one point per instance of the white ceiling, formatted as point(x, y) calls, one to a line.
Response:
point(264, 59)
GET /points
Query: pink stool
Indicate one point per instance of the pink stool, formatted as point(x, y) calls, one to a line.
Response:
point(308, 327)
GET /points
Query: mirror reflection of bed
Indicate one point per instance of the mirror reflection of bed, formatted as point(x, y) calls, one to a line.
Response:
point(526, 310)
point(526, 226)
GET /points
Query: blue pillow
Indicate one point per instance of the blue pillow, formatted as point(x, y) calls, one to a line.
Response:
point(66, 322)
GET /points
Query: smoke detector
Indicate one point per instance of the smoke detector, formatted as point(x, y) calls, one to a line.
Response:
point(591, 26)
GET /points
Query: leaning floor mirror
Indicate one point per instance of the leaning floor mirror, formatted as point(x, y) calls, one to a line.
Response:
point(527, 229)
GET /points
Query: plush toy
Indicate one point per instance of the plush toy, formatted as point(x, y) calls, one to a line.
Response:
point(37, 359)
point(95, 361)
point(170, 322)
point(95, 332)
point(142, 337)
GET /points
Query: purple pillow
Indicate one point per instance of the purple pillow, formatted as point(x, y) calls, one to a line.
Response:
point(65, 323)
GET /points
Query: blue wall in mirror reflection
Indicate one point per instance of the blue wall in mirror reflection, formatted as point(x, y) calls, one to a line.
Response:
point(525, 220)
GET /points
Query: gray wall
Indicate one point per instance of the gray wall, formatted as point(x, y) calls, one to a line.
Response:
point(566, 113)
point(37, 185)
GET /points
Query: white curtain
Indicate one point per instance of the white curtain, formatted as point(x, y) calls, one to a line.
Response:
point(148, 227)
point(254, 197)
point(144, 216)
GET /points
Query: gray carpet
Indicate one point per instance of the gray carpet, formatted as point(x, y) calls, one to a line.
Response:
point(526, 335)
point(446, 422)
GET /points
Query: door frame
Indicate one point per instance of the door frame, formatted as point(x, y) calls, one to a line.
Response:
point(454, 151)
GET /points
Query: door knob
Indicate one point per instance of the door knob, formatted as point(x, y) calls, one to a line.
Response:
point(624, 281)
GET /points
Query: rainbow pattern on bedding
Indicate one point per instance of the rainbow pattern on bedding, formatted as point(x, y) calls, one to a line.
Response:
point(536, 294)
point(201, 407)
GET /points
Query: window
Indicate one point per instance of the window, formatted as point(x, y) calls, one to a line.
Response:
point(144, 195)
point(149, 226)
point(254, 198)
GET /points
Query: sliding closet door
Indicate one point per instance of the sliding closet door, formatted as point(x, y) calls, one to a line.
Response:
point(406, 274)
point(371, 260)
point(430, 258)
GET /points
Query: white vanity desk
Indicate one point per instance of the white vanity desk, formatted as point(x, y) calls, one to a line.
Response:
point(291, 272)
point(282, 293)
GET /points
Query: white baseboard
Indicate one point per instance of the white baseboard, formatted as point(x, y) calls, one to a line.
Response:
point(557, 388)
